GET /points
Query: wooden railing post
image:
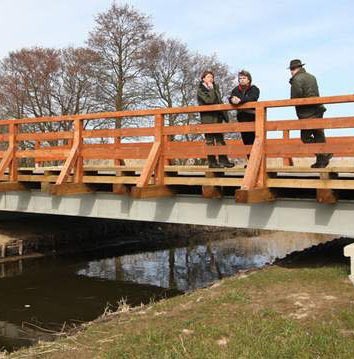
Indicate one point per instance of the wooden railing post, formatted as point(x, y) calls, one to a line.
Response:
point(37, 146)
point(159, 137)
point(9, 160)
point(254, 187)
point(78, 141)
point(13, 128)
point(261, 134)
point(287, 161)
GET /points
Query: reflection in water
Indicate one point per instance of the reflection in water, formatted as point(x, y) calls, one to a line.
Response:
point(182, 268)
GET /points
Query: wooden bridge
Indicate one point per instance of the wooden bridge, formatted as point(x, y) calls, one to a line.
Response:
point(145, 166)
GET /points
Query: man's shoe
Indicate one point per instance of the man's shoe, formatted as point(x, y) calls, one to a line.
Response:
point(329, 156)
point(321, 164)
point(215, 165)
point(322, 161)
point(227, 164)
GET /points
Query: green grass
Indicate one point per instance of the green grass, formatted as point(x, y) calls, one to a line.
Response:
point(272, 313)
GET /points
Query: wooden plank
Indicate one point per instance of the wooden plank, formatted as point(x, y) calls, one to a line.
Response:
point(120, 189)
point(6, 160)
point(111, 179)
point(37, 178)
point(321, 123)
point(255, 195)
point(288, 161)
point(74, 154)
point(252, 170)
point(261, 117)
point(308, 149)
point(12, 186)
point(202, 181)
point(44, 136)
point(77, 142)
point(45, 153)
point(204, 150)
point(13, 165)
point(159, 137)
point(122, 132)
point(106, 153)
point(310, 183)
point(210, 128)
point(203, 169)
point(185, 110)
point(211, 192)
point(329, 169)
point(150, 165)
point(113, 169)
point(308, 101)
point(153, 191)
point(69, 164)
point(9, 159)
point(326, 196)
point(68, 189)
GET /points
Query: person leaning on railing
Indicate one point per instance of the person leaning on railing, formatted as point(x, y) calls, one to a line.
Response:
point(209, 94)
point(303, 85)
point(242, 93)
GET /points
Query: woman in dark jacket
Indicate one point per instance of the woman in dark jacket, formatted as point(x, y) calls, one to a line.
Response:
point(245, 92)
point(209, 94)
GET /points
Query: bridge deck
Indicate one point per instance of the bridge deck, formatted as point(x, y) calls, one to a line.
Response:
point(196, 177)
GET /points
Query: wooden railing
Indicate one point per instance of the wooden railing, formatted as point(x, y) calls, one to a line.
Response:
point(71, 149)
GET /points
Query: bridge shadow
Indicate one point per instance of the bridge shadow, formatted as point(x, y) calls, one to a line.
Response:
point(260, 214)
point(324, 213)
point(87, 205)
point(163, 210)
point(23, 201)
point(213, 208)
point(329, 254)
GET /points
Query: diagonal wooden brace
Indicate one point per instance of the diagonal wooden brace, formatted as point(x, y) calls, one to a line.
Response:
point(150, 165)
point(252, 189)
point(6, 160)
point(254, 164)
point(69, 163)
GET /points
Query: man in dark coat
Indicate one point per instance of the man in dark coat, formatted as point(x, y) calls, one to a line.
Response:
point(209, 94)
point(245, 92)
point(303, 85)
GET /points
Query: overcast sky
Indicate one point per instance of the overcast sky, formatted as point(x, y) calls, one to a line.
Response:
point(258, 35)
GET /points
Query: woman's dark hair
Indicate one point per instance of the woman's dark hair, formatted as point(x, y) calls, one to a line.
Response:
point(245, 73)
point(207, 72)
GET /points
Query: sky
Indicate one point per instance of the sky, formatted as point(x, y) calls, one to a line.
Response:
point(257, 35)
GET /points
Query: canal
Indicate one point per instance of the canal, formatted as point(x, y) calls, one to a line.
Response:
point(41, 297)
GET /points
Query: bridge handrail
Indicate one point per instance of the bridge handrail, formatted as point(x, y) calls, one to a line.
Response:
point(184, 110)
point(160, 150)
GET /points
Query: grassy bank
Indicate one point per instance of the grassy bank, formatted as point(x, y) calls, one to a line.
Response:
point(283, 311)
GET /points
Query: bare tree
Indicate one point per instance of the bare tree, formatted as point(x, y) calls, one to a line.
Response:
point(162, 70)
point(75, 87)
point(171, 75)
point(42, 82)
point(120, 37)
